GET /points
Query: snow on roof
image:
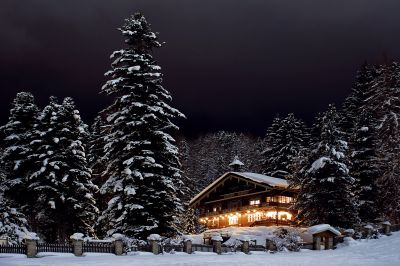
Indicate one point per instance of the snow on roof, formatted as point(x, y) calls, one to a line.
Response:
point(269, 180)
point(259, 178)
point(321, 228)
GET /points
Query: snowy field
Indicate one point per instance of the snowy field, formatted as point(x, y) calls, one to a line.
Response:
point(384, 251)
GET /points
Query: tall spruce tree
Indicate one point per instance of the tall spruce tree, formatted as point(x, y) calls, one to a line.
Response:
point(385, 105)
point(359, 124)
point(365, 166)
point(141, 156)
point(60, 179)
point(286, 141)
point(326, 194)
point(17, 135)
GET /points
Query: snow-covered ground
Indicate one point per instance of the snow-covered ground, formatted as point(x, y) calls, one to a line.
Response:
point(381, 252)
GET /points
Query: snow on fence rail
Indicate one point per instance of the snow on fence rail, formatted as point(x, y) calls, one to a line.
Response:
point(15, 249)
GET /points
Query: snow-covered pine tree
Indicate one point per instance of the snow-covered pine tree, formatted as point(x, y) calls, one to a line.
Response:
point(356, 101)
point(16, 143)
point(326, 193)
point(186, 221)
point(359, 124)
point(384, 104)
point(96, 151)
point(211, 154)
point(141, 157)
point(286, 140)
point(365, 165)
point(60, 179)
point(13, 224)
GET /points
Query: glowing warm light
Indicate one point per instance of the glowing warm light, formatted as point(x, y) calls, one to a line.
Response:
point(248, 211)
point(284, 216)
point(233, 220)
point(271, 214)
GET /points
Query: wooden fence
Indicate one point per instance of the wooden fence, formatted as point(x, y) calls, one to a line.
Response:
point(202, 248)
point(395, 227)
point(257, 248)
point(15, 249)
point(60, 248)
point(98, 247)
point(168, 248)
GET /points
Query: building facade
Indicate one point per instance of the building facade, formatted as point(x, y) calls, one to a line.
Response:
point(245, 199)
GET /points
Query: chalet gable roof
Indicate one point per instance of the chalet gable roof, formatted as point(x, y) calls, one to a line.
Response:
point(256, 178)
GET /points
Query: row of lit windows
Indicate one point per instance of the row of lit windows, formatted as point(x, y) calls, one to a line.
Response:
point(255, 202)
point(251, 217)
point(279, 199)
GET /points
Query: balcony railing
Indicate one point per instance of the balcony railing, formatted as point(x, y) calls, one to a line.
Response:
point(248, 207)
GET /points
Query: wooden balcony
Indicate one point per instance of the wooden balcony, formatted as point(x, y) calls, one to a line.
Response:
point(248, 207)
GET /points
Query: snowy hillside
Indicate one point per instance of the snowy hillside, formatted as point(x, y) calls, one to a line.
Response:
point(380, 252)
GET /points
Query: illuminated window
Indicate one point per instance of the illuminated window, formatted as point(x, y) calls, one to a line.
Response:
point(282, 215)
point(271, 215)
point(254, 217)
point(255, 202)
point(233, 220)
point(280, 199)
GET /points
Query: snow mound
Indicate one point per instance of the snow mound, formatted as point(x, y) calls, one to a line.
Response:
point(349, 241)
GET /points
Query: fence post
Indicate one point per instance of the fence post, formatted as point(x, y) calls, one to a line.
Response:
point(188, 246)
point(155, 247)
point(270, 245)
point(77, 247)
point(386, 228)
point(217, 247)
point(245, 247)
point(77, 244)
point(31, 248)
point(118, 244)
point(118, 247)
point(217, 243)
point(155, 239)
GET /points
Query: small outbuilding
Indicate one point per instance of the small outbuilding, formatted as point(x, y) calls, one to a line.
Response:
point(323, 236)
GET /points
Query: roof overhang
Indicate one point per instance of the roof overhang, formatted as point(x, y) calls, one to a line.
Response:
point(220, 181)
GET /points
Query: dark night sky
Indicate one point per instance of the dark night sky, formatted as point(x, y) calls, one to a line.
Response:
point(229, 64)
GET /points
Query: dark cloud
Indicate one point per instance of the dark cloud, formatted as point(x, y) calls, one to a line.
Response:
point(230, 64)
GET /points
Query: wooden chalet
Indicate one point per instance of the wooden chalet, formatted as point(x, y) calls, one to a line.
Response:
point(245, 199)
